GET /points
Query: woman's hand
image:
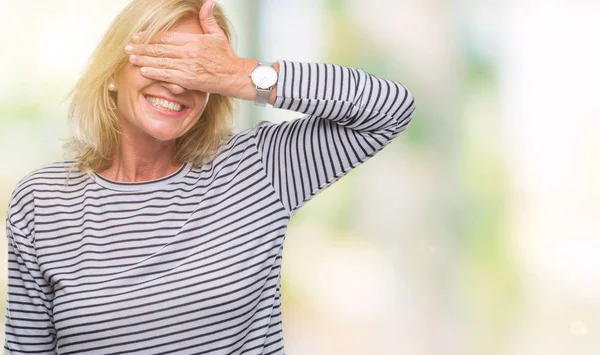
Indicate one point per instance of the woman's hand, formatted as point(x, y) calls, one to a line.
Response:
point(204, 62)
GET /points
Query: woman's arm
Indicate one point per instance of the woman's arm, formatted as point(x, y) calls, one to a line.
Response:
point(29, 327)
point(350, 116)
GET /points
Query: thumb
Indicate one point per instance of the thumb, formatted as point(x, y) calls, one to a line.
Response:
point(207, 19)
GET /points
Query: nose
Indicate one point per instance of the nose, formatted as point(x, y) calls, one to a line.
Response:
point(174, 88)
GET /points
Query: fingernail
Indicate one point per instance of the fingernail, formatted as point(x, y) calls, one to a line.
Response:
point(132, 58)
point(212, 7)
point(143, 70)
point(128, 48)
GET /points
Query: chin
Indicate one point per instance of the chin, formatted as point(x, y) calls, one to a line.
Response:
point(165, 136)
point(163, 130)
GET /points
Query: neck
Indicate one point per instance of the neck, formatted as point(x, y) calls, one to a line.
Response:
point(142, 160)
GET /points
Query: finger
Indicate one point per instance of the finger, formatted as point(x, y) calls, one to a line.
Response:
point(155, 50)
point(168, 75)
point(207, 19)
point(155, 62)
point(166, 37)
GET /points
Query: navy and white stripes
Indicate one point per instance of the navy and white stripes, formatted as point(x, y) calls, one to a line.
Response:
point(189, 263)
point(351, 115)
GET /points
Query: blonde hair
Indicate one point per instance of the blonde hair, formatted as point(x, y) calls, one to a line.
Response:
point(96, 135)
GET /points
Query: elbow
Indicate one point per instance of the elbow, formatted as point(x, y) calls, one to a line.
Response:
point(406, 110)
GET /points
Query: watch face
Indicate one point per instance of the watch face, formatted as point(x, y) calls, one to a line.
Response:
point(264, 76)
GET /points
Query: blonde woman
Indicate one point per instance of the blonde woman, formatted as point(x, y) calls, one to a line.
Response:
point(164, 234)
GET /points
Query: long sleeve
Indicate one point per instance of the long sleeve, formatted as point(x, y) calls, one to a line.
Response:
point(29, 327)
point(350, 115)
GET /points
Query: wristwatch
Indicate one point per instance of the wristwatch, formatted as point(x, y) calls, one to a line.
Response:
point(264, 77)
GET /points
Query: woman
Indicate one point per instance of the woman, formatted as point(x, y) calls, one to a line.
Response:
point(165, 233)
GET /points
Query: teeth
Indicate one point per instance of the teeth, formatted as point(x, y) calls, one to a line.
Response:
point(164, 104)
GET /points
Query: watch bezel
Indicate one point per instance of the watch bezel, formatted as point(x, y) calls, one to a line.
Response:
point(261, 68)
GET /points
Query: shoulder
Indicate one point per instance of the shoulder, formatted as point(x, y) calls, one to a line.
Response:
point(49, 177)
point(245, 137)
point(258, 129)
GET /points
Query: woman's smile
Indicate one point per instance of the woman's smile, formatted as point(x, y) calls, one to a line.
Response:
point(165, 107)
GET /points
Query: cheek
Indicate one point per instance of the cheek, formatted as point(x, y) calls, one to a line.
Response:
point(200, 101)
point(130, 82)
point(125, 106)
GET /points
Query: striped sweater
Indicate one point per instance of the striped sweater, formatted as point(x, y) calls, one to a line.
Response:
point(189, 263)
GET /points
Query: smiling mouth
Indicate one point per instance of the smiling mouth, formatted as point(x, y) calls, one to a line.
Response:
point(165, 105)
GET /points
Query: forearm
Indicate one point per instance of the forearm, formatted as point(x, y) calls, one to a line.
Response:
point(348, 96)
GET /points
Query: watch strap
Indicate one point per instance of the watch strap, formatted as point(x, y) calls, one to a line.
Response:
point(262, 96)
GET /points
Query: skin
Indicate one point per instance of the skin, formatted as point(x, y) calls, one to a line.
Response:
point(184, 65)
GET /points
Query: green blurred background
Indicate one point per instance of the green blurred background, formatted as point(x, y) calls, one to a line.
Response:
point(476, 232)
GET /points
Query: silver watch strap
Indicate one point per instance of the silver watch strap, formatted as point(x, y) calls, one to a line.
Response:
point(262, 96)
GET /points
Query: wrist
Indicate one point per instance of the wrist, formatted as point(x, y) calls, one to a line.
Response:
point(242, 86)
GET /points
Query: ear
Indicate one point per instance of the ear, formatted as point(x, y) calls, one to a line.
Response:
point(112, 83)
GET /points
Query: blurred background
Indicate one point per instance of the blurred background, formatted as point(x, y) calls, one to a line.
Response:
point(476, 232)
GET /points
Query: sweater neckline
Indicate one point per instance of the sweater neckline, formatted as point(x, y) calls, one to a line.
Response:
point(174, 177)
